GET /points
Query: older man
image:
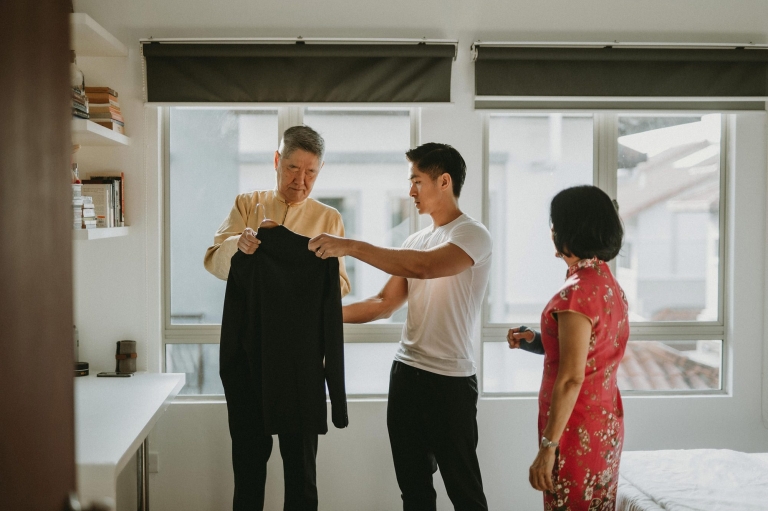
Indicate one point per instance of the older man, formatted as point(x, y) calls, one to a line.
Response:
point(297, 164)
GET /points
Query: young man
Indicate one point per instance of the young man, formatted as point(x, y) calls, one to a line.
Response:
point(442, 271)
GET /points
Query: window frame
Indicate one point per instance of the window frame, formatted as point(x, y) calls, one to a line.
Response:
point(605, 176)
point(288, 115)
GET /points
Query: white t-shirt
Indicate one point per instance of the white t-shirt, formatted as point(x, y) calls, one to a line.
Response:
point(437, 335)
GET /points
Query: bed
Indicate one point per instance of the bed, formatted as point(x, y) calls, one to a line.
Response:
point(697, 479)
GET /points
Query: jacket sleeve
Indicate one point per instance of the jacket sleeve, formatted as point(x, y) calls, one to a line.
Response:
point(535, 346)
point(230, 348)
point(333, 334)
point(218, 256)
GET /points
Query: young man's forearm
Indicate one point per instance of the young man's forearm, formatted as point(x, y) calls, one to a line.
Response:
point(400, 262)
point(366, 311)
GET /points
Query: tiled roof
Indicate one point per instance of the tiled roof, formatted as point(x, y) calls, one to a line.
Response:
point(654, 366)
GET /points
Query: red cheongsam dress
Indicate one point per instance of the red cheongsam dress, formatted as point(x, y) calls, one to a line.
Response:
point(586, 471)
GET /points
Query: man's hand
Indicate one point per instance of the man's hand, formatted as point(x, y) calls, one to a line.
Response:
point(327, 245)
point(514, 336)
point(248, 242)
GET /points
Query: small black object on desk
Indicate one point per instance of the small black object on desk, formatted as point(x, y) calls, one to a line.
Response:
point(81, 369)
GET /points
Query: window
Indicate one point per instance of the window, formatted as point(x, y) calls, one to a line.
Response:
point(531, 158)
point(213, 154)
point(669, 192)
point(365, 169)
point(667, 173)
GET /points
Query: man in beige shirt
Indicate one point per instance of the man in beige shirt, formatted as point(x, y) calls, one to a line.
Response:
point(297, 164)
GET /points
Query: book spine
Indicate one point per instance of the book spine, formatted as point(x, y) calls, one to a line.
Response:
point(100, 97)
point(101, 90)
point(105, 116)
point(103, 109)
point(122, 199)
point(105, 103)
point(102, 197)
point(80, 107)
point(118, 190)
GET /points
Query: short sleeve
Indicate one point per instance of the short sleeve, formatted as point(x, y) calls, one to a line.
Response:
point(474, 239)
point(581, 296)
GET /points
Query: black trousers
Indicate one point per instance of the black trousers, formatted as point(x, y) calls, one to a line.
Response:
point(432, 421)
point(251, 449)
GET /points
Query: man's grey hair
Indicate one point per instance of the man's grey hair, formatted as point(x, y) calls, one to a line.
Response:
point(302, 137)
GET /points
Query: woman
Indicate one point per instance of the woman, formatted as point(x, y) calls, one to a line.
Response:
point(584, 331)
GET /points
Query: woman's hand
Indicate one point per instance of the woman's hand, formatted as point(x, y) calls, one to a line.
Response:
point(540, 473)
point(514, 336)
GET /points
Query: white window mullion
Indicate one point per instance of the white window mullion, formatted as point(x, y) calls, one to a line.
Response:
point(415, 142)
point(165, 117)
point(725, 158)
point(606, 162)
point(486, 218)
point(287, 117)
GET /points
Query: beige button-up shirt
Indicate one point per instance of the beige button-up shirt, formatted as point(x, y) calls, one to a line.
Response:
point(308, 218)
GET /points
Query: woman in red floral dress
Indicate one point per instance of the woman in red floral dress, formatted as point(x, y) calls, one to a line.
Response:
point(584, 333)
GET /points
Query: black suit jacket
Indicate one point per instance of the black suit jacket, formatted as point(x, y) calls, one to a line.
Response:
point(282, 332)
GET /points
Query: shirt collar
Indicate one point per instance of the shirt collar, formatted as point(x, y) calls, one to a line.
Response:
point(280, 198)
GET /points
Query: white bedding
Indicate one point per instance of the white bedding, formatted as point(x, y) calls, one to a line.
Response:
point(688, 480)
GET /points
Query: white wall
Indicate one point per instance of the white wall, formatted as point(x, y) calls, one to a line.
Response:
point(117, 286)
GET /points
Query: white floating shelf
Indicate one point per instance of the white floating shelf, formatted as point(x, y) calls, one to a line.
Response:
point(85, 132)
point(89, 39)
point(99, 233)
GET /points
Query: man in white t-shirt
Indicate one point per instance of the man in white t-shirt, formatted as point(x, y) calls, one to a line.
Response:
point(442, 271)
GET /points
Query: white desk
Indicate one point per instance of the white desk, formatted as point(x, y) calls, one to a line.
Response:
point(113, 417)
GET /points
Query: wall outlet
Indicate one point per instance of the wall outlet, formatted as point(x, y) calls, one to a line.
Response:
point(154, 462)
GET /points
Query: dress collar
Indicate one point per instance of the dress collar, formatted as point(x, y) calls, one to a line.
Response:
point(584, 263)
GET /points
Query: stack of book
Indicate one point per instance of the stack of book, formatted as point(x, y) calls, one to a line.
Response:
point(83, 213)
point(104, 108)
point(77, 206)
point(108, 193)
point(89, 213)
point(79, 104)
point(77, 210)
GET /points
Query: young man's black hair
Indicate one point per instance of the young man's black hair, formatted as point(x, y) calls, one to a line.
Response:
point(436, 159)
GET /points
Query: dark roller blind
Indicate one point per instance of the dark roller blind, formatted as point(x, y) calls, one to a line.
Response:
point(297, 73)
point(621, 72)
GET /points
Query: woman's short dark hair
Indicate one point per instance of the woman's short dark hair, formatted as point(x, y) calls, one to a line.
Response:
point(585, 223)
point(436, 159)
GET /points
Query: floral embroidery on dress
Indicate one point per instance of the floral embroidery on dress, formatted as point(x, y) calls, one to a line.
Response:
point(584, 441)
point(592, 341)
point(587, 467)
